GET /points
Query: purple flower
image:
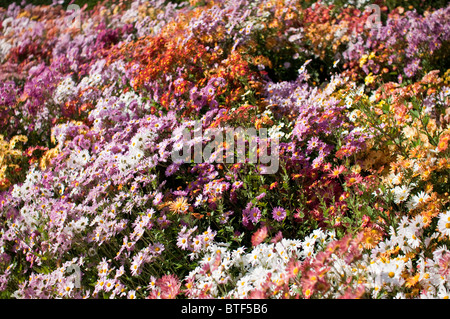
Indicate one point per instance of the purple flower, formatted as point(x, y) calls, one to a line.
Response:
point(254, 215)
point(172, 168)
point(246, 214)
point(209, 90)
point(412, 68)
point(226, 217)
point(245, 220)
point(313, 143)
point(279, 214)
point(162, 221)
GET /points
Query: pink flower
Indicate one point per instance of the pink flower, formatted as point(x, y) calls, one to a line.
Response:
point(259, 236)
point(335, 172)
point(260, 196)
point(169, 285)
point(278, 237)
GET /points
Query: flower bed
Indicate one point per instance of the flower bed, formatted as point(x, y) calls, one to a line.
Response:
point(352, 99)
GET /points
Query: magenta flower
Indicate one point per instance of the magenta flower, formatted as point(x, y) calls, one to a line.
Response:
point(260, 196)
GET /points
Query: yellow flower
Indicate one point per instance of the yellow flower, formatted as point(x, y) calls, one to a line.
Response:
point(369, 79)
point(45, 160)
point(411, 281)
point(14, 153)
point(17, 138)
point(363, 60)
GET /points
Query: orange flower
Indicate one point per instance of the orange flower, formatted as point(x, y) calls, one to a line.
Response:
point(179, 206)
point(411, 281)
point(371, 238)
point(198, 215)
point(443, 142)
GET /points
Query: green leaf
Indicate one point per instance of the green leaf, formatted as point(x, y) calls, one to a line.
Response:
point(386, 108)
point(415, 113)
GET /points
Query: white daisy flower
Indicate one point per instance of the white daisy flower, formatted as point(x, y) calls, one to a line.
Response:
point(444, 223)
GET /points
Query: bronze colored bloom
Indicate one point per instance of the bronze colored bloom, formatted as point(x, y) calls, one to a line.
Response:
point(179, 206)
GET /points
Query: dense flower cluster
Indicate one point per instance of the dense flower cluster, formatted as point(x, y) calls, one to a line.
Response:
point(93, 105)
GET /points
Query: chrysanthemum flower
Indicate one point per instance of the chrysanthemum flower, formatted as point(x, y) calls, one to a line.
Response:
point(371, 238)
point(131, 294)
point(254, 215)
point(353, 179)
point(179, 206)
point(401, 193)
point(172, 168)
point(336, 171)
point(259, 236)
point(444, 223)
point(183, 241)
point(418, 199)
point(157, 199)
point(279, 213)
point(293, 268)
point(67, 289)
